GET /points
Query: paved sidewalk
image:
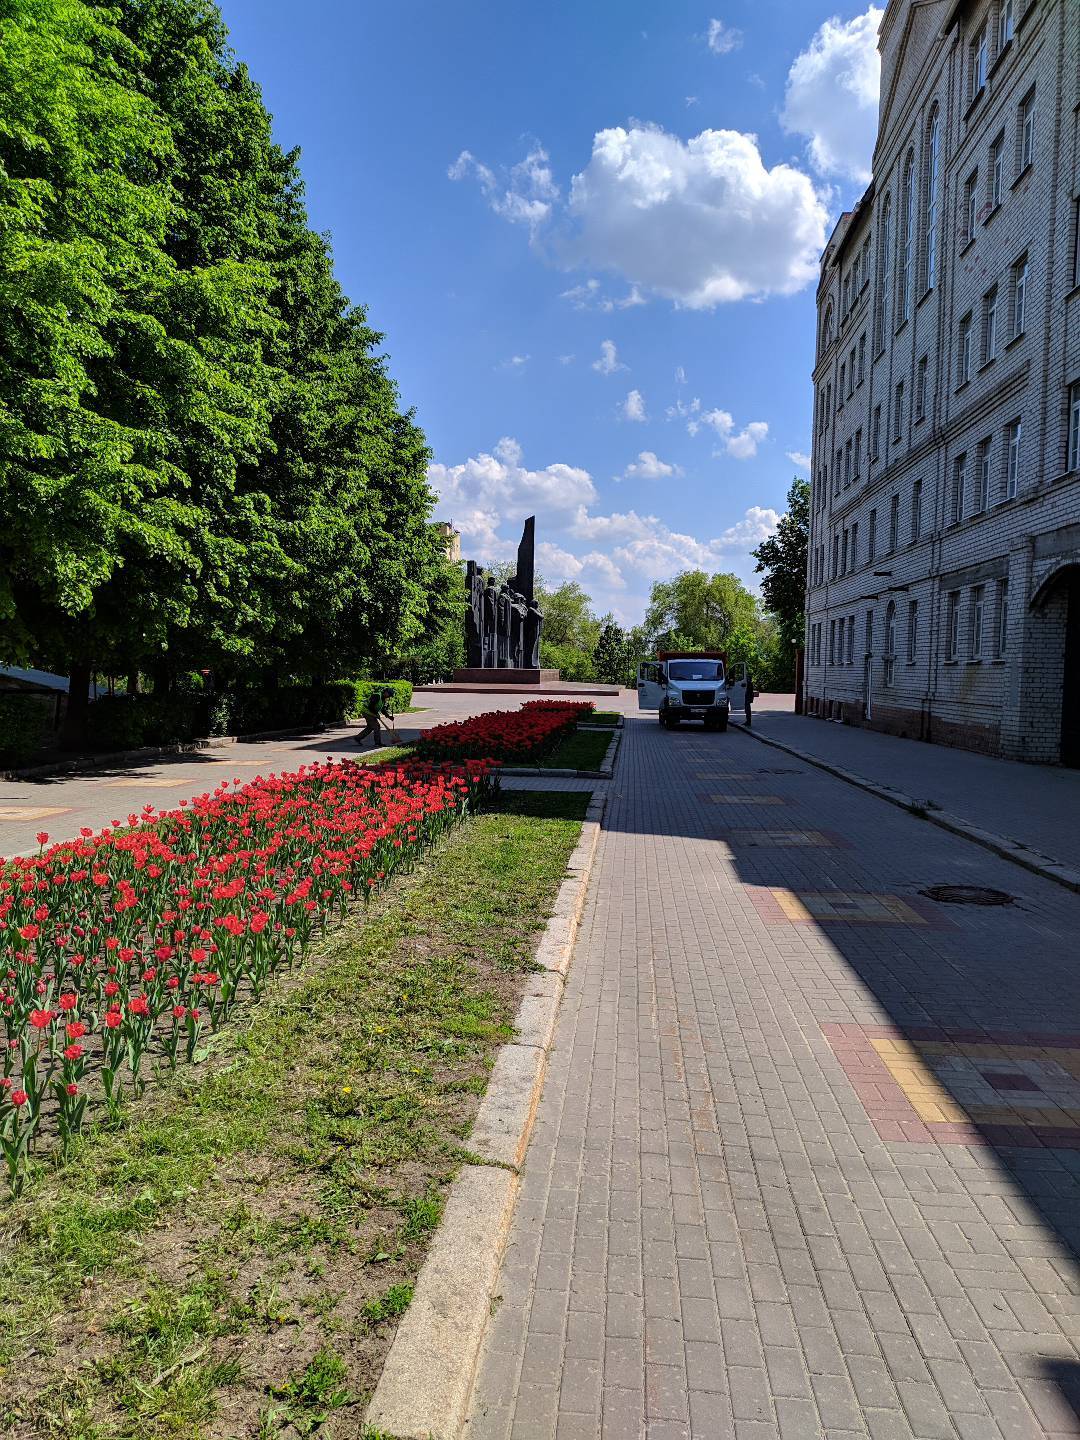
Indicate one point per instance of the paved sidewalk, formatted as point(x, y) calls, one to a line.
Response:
point(1038, 805)
point(807, 1161)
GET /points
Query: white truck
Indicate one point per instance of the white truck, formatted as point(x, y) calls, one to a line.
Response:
point(685, 685)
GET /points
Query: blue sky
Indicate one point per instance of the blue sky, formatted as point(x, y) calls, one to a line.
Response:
point(595, 282)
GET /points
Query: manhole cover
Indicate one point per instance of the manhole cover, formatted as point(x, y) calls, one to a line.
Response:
point(966, 895)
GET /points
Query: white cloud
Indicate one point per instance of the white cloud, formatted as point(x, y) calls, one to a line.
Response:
point(701, 222)
point(723, 38)
point(590, 296)
point(609, 360)
point(756, 525)
point(516, 362)
point(649, 466)
point(633, 407)
point(680, 375)
point(645, 543)
point(832, 95)
point(691, 100)
point(566, 359)
point(525, 195)
point(739, 444)
point(488, 489)
point(799, 460)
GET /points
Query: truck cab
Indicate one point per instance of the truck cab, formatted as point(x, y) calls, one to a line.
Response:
point(685, 686)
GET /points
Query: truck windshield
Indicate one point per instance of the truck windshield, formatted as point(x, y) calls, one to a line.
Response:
point(695, 670)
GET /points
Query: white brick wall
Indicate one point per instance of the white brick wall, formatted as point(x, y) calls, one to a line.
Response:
point(1008, 702)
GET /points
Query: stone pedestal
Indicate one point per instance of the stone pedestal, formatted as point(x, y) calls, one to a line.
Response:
point(500, 675)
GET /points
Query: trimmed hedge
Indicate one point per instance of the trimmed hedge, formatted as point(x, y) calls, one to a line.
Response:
point(25, 726)
point(401, 689)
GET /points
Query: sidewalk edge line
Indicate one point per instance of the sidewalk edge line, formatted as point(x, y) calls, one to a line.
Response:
point(426, 1383)
point(1043, 865)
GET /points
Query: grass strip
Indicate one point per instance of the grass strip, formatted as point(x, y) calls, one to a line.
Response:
point(608, 718)
point(584, 750)
point(232, 1257)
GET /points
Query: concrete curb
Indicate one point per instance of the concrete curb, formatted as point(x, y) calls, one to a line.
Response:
point(424, 1389)
point(1043, 865)
point(607, 765)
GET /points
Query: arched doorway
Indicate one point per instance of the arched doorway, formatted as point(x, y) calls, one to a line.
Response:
point(1050, 683)
point(1070, 690)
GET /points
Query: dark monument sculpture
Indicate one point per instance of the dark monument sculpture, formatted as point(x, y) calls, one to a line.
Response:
point(503, 623)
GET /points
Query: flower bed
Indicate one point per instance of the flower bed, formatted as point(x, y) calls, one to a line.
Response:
point(128, 946)
point(525, 734)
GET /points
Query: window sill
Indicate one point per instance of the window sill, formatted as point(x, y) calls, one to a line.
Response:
point(962, 386)
point(951, 662)
point(973, 103)
point(975, 660)
point(999, 58)
point(901, 327)
point(1029, 166)
point(991, 212)
point(919, 419)
point(966, 246)
point(1016, 340)
point(986, 364)
point(930, 290)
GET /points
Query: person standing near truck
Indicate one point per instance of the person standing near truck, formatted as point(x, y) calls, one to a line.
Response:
point(751, 693)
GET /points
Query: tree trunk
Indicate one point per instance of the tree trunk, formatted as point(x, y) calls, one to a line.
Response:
point(73, 731)
point(133, 683)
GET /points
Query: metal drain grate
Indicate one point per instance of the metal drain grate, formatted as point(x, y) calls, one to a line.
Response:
point(966, 895)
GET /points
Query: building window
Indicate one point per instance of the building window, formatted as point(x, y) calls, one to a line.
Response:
point(862, 358)
point(828, 404)
point(832, 641)
point(898, 411)
point(890, 642)
point(933, 174)
point(997, 171)
point(840, 387)
point(1076, 243)
point(835, 555)
point(881, 318)
point(1019, 296)
point(980, 62)
point(916, 511)
point(875, 434)
point(966, 339)
point(1074, 428)
point(868, 641)
point(1026, 131)
point(838, 473)
point(990, 325)
point(856, 464)
point(844, 552)
point(912, 631)
point(1006, 24)
point(920, 387)
point(827, 328)
point(978, 596)
point(1003, 617)
point(866, 262)
point(1014, 435)
point(894, 523)
point(959, 483)
point(847, 464)
point(851, 372)
point(871, 536)
point(983, 476)
point(952, 626)
point(854, 544)
point(907, 216)
point(851, 640)
point(971, 206)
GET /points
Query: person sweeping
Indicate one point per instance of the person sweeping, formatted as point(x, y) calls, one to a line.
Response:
point(375, 709)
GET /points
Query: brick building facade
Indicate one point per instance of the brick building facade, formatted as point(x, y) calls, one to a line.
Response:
point(944, 576)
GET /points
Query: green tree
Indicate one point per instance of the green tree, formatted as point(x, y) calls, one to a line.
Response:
point(610, 656)
point(781, 559)
point(696, 611)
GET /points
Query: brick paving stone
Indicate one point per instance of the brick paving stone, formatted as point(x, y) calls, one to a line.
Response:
point(716, 1236)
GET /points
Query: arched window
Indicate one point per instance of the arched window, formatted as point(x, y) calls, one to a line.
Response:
point(933, 178)
point(907, 235)
point(827, 328)
point(890, 642)
point(885, 276)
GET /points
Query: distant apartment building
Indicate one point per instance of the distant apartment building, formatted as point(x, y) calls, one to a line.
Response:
point(944, 559)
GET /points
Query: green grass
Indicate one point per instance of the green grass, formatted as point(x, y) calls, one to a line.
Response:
point(382, 757)
point(607, 718)
point(584, 750)
point(232, 1257)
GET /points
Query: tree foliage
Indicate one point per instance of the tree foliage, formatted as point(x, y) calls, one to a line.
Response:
point(782, 559)
point(203, 459)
